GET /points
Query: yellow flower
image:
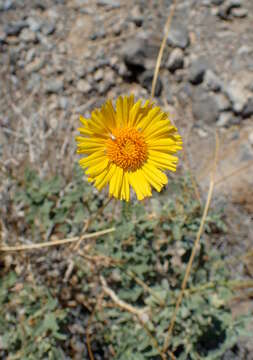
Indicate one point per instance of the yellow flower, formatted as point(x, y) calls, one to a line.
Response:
point(128, 147)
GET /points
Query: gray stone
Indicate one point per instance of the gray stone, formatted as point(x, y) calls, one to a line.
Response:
point(84, 86)
point(7, 5)
point(15, 28)
point(54, 86)
point(134, 53)
point(205, 109)
point(222, 102)
point(239, 12)
point(248, 109)
point(178, 36)
point(217, 2)
point(176, 60)
point(197, 71)
point(28, 36)
point(136, 15)
point(251, 138)
point(146, 78)
point(34, 24)
point(99, 74)
point(225, 119)
point(212, 81)
point(226, 9)
point(48, 28)
point(35, 65)
point(112, 4)
point(63, 103)
point(237, 96)
point(33, 83)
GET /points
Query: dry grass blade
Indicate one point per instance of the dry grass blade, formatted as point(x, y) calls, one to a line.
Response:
point(160, 55)
point(56, 242)
point(194, 250)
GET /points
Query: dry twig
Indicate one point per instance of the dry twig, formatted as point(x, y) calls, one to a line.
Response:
point(56, 242)
point(194, 250)
point(160, 55)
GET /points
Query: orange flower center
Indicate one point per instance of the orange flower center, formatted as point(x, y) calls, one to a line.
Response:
point(127, 149)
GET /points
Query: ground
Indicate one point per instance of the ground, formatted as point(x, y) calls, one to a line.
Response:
point(60, 59)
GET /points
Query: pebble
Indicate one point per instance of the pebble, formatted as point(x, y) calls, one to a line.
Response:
point(236, 94)
point(28, 36)
point(136, 15)
point(197, 71)
point(54, 86)
point(146, 78)
point(35, 65)
point(176, 60)
point(84, 86)
point(63, 103)
point(226, 8)
point(134, 54)
point(204, 108)
point(7, 5)
point(225, 119)
point(34, 24)
point(48, 28)
point(212, 81)
point(2, 36)
point(99, 74)
point(239, 12)
point(248, 109)
point(222, 102)
point(112, 4)
point(178, 36)
point(15, 28)
point(33, 83)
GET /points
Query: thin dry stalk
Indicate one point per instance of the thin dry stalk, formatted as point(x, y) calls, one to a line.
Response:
point(139, 313)
point(161, 51)
point(194, 250)
point(56, 242)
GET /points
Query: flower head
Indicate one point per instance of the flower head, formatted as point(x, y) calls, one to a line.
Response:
point(128, 146)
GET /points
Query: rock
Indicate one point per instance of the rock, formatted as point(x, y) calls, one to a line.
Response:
point(239, 12)
point(217, 2)
point(35, 65)
point(84, 86)
point(28, 36)
point(48, 28)
point(176, 60)
point(225, 10)
point(134, 54)
point(112, 4)
point(197, 71)
point(33, 83)
point(237, 96)
point(54, 86)
point(212, 81)
point(63, 103)
point(34, 24)
point(136, 15)
point(99, 74)
point(146, 78)
point(178, 36)
point(204, 108)
point(6, 5)
point(225, 119)
point(248, 109)
point(15, 28)
point(222, 102)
